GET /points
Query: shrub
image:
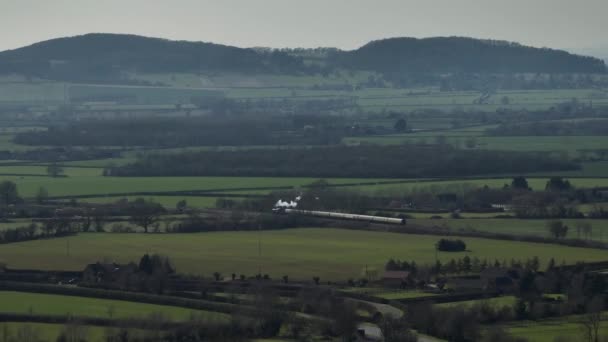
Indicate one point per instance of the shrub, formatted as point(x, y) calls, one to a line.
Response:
point(446, 245)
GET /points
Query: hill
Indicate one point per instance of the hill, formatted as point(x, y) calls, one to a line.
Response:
point(466, 55)
point(104, 56)
point(108, 57)
point(600, 51)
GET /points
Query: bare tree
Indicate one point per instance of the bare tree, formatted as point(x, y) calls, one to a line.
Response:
point(74, 332)
point(54, 170)
point(588, 230)
point(5, 333)
point(145, 213)
point(396, 330)
point(26, 333)
point(557, 229)
point(99, 218)
point(42, 195)
point(592, 320)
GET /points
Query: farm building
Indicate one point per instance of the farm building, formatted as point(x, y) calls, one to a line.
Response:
point(463, 284)
point(499, 279)
point(112, 273)
point(395, 278)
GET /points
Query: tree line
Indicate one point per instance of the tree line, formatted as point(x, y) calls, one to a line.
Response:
point(59, 154)
point(104, 57)
point(559, 199)
point(407, 161)
point(462, 55)
point(552, 128)
point(583, 290)
point(275, 130)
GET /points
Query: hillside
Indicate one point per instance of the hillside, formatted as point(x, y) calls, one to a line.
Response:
point(600, 51)
point(467, 55)
point(105, 56)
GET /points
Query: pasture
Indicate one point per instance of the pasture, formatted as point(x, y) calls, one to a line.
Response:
point(332, 254)
point(171, 88)
point(88, 181)
point(386, 293)
point(48, 331)
point(496, 302)
point(517, 226)
point(458, 185)
point(570, 144)
point(168, 202)
point(47, 304)
point(547, 330)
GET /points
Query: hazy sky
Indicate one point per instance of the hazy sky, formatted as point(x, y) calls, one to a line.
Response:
point(310, 23)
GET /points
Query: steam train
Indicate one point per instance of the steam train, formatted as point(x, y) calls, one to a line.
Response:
point(343, 216)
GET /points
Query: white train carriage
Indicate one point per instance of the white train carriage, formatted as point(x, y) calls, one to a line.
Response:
point(356, 217)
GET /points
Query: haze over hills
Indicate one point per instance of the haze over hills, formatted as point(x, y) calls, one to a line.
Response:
point(105, 56)
point(100, 55)
point(459, 54)
point(599, 51)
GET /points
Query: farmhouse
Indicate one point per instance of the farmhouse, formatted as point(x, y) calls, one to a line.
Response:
point(463, 284)
point(499, 279)
point(395, 278)
point(112, 273)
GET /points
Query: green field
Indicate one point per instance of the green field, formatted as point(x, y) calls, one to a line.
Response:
point(7, 144)
point(464, 184)
point(236, 80)
point(385, 293)
point(17, 91)
point(168, 202)
point(14, 223)
point(171, 88)
point(46, 304)
point(571, 144)
point(42, 170)
point(548, 330)
point(497, 302)
point(49, 332)
point(403, 294)
point(332, 254)
point(90, 182)
point(516, 226)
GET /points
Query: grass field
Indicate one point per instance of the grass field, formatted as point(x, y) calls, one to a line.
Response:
point(91, 183)
point(460, 184)
point(7, 144)
point(548, 330)
point(571, 144)
point(168, 202)
point(403, 294)
point(14, 223)
point(497, 302)
point(48, 332)
point(517, 226)
point(46, 304)
point(42, 170)
point(387, 293)
point(332, 254)
point(34, 93)
point(236, 80)
point(589, 169)
point(172, 88)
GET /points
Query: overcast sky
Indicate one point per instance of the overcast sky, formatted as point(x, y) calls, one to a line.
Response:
point(310, 23)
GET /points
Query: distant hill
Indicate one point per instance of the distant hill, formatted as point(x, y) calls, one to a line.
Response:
point(100, 56)
point(106, 57)
point(600, 51)
point(467, 55)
